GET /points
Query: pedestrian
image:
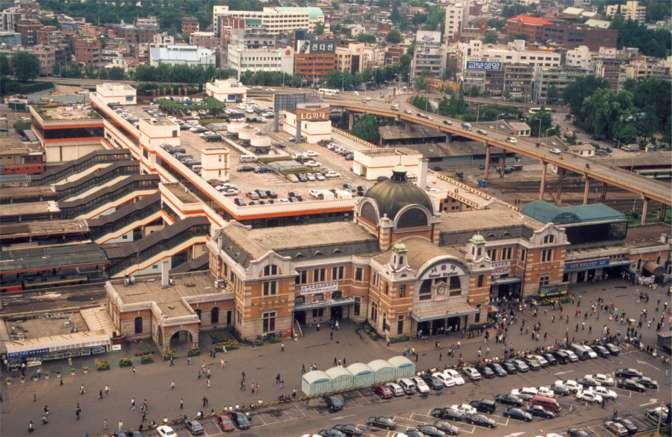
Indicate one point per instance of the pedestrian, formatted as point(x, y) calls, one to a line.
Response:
point(107, 390)
point(317, 326)
point(133, 369)
point(132, 404)
point(344, 362)
point(331, 335)
point(172, 385)
point(209, 383)
point(81, 389)
point(31, 427)
point(78, 412)
point(121, 426)
point(100, 394)
point(35, 397)
point(282, 347)
point(181, 404)
point(105, 425)
point(44, 419)
point(205, 402)
point(303, 368)
point(221, 363)
point(188, 361)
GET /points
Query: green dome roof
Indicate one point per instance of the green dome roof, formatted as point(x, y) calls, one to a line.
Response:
point(393, 194)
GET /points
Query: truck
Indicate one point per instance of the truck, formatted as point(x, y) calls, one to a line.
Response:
point(395, 107)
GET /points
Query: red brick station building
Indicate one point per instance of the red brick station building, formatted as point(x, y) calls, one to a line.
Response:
point(400, 264)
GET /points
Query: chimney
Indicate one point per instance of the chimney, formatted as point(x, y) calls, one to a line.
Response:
point(165, 277)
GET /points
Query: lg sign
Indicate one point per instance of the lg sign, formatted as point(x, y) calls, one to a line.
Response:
point(313, 115)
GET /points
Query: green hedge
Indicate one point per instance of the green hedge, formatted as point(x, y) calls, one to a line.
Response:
point(11, 86)
point(146, 359)
point(102, 365)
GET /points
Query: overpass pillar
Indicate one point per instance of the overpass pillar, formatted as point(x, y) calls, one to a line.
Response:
point(645, 210)
point(603, 196)
point(542, 184)
point(351, 120)
point(586, 190)
point(558, 193)
point(486, 166)
point(502, 163)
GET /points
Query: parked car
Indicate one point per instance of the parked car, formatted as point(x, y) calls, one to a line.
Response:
point(550, 358)
point(383, 391)
point(331, 432)
point(472, 373)
point(448, 414)
point(616, 428)
point(486, 371)
point(630, 384)
point(601, 351)
point(446, 427)
point(382, 422)
point(435, 383)
point(484, 405)
point(627, 423)
point(431, 431)
point(512, 140)
point(647, 382)
point(334, 403)
point(589, 396)
point(613, 349)
point(573, 358)
point(521, 366)
point(194, 427)
point(561, 356)
point(539, 411)
point(532, 362)
point(573, 432)
point(465, 408)
point(166, 431)
point(509, 399)
point(498, 369)
point(601, 379)
point(455, 375)
point(657, 414)
point(518, 414)
point(421, 385)
point(349, 429)
point(241, 420)
point(481, 420)
point(225, 423)
point(407, 385)
point(510, 367)
point(396, 389)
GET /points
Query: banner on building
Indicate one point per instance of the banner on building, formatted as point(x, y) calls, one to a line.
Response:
point(484, 65)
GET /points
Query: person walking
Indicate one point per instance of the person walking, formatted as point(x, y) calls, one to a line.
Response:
point(105, 425)
point(132, 404)
point(181, 404)
point(172, 385)
point(82, 390)
point(120, 426)
point(107, 390)
point(205, 402)
point(31, 427)
point(209, 384)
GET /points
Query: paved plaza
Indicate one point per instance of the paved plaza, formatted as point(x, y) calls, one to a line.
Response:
point(25, 400)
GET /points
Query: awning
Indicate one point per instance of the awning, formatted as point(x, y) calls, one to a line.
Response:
point(654, 268)
point(438, 311)
point(324, 304)
point(506, 281)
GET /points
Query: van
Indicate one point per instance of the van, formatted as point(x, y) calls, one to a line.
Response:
point(466, 125)
point(546, 402)
point(248, 158)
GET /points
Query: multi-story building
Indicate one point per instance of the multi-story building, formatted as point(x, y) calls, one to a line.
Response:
point(189, 25)
point(87, 51)
point(359, 57)
point(631, 10)
point(204, 39)
point(258, 51)
point(314, 60)
point(393, 53)
point(644, 66)
point(275, 20)
point(10, 39)
point(454, 20)
point(556, 79)
point(9, 18)
point(518, 81)
point(47, 57)
point(607, 63)
point(580, 57)
point(28, 29)
point(513, 53)
point(226, 90)
point(180, 55)
point(429, 57)
point(531, 27)
point(565, 33)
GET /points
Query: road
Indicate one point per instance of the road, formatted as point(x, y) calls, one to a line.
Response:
point(613, 176)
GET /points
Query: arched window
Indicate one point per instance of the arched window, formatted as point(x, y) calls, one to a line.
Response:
point(411, 218)
point(368, 213)
point(198, 313)
point(271, 269)
point(138, 325)
point(548, 239)
point(214, 315)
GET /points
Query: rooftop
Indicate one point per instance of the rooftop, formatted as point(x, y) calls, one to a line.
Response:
point(420, 250)
point(28, 208)
point(50, 111)
point(496, 216)
point(171, 300)
point(46, 227)
point(318, 234)
point(181, 192)
point(12, 146)
point(548, 213)
point(530, 21)
point(46, 257)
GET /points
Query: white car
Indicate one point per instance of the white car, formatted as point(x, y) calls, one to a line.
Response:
point(421, 385)
point(465, 408)
point(542, 361)
point(591, 353)
point(601, 379)
point(312, 164)
point(529, 391)
point(546, 391)
point(396, 389)
point(605, 392)
point(570, 385)
point(311, 153)
point(472, 373)
point(447, 381)
point(589, 396)
point(165, 431)
point(512, 140)
point(332, 174)
point(454, 374)
point(556, 151)
point(572, 356)
point(407, 384)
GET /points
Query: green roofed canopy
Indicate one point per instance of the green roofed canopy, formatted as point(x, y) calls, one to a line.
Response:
point(546, 212)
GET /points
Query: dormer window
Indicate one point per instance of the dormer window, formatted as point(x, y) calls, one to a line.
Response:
point(270, 270)
point(549, 239)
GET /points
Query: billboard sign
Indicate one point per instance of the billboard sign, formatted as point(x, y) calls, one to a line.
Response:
point(484, 65)
point(322, 47)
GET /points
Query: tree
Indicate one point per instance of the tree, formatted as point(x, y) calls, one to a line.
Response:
point(421, 83)
point(366, 128)
point(422, 103)
point(552, 94)
point(339, 80)
point(393, 37)
point(577, 91)
point(5, 67)
point(319, 29)
point(496, 23)
point(490, 37)
point(116, 73)
point(540, 123)
point(650, 42)
point(366, 37)
point(606, 113)
point(26, 66)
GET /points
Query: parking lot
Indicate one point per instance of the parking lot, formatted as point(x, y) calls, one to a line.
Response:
point(411, 411)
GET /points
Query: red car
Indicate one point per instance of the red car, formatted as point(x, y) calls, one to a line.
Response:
point(383, 391)
point(225, 423)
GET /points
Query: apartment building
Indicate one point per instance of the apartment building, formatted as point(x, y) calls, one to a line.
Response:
point(258, 51)
point(429, 57)
point(180, 55)
point(189, 25)
point(359, 57)
point(455, 13)
point(514, 52)
point(314, 60)
point(631, 10)
point(275, 20)
point(87, 51)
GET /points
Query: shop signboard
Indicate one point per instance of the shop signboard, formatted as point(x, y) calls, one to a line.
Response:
point(586, 265)
point(318, 287)
point(553, 290)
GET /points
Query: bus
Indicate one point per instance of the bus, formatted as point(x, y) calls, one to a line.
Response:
point(536, 109)
point(329, 91)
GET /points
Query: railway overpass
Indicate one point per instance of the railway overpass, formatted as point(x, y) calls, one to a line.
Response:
point(645, 188)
